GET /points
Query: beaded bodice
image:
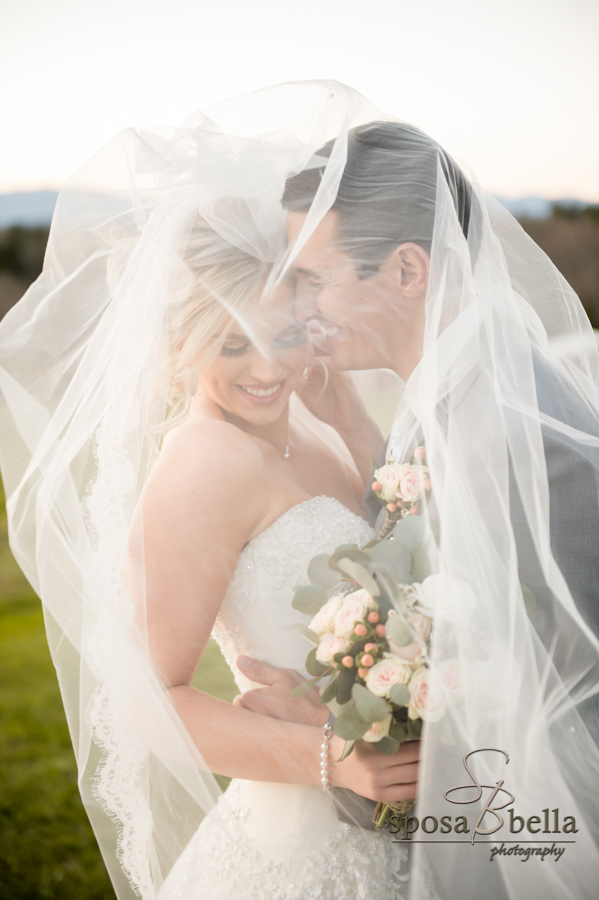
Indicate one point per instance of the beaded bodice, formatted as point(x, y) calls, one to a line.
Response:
point(256, 615)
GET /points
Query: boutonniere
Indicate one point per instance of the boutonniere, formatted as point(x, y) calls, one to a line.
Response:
point(401, 488)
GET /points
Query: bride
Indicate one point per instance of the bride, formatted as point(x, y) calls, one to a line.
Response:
point(240, 499)
point(165, 483)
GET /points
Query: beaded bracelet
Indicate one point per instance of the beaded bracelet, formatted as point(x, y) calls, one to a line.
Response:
point(327, 733)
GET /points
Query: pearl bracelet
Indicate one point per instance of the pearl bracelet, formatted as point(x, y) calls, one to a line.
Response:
point(327, 733)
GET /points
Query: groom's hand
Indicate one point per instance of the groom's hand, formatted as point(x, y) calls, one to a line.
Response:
point(274, 699)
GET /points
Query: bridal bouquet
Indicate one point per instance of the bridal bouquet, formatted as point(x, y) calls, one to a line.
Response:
point(372, 635)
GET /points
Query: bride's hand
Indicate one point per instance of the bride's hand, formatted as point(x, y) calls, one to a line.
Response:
point(274, 699)
point(376, 775)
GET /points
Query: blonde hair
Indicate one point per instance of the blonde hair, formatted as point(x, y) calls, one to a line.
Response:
point(219, 281)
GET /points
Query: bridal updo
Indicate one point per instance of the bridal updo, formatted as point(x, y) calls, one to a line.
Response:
point(218, 280)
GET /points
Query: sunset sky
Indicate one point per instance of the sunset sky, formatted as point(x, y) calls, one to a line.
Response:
point(509, 86)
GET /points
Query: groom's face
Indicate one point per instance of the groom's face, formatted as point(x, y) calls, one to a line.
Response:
point(357, 314)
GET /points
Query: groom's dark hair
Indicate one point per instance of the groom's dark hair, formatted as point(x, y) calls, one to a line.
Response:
point(387, 193)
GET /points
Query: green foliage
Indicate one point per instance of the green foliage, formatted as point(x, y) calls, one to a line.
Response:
point(394, 558)
point(309, 599)
point(319, 571)
point(410, 531)
point(22, 251)
point(348, 551)
point(399, 632)
point(400, 694)
point(371, 708)
point(307, 633)
point(357, 572)
point(350, 725)
point(387, 745)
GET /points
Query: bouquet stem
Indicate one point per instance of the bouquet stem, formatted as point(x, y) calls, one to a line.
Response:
point(383, 811)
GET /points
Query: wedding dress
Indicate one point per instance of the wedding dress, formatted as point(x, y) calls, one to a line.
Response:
point(283, 841)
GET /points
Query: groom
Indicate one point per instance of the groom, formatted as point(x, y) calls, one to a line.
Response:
point(362, 277)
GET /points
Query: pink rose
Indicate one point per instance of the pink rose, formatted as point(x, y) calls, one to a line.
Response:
point(390, 478)
point(330, 644)
point(411, 483)
point(354, 609)
point(378, 730)
point(384, 674)
point(426, 697)
point(450, 673)
point(421, 625)
point(324, 618)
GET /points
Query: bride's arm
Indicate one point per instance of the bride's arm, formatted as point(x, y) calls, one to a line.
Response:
point(203, 502)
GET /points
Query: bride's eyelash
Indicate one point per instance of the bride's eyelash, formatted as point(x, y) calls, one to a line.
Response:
point(233, 351)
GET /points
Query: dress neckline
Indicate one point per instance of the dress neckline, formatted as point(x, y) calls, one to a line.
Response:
point(311, 500)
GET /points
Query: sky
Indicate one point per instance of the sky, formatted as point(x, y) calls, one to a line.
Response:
point(509, 86)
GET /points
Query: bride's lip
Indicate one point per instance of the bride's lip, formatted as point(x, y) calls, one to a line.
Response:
point(262, 394)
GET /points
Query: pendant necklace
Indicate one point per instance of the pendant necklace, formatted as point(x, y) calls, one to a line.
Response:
point(284, 447)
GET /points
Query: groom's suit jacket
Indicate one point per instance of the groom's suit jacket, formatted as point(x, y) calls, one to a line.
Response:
point(573, 476)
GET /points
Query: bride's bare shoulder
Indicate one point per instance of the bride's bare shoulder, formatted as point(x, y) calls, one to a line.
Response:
point(208, 454)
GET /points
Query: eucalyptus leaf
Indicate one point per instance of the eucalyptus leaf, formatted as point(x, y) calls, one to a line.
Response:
point(313, 666)
point(350, 725)
point(414, 728)
point(309, 599)
point(374, 466)
point(329, 691)
point(319, 571)
point(358, 573)
point(345, 682)
point(392, 557)
point(387, 745)
point(421, 567)
point(400, 695)
point(398, 732)
point(530, 601)
point(410, 531)
point(349, 551)
point(370, 707)
point(398, 631)
point(307, 633)
point(349, 746)
point(304, 686)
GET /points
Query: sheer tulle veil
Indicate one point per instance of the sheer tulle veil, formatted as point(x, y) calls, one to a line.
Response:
point(507, 387)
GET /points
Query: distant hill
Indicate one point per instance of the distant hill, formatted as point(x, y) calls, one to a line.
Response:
point(28, 208)
point(31, 208)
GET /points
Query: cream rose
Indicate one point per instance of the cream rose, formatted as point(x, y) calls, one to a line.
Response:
point(330, 644)
point(410, 486)
point(450, 673)
point(384, 674)
point(426, 697)
point(353, 609)
point(421, 625)
point(378, 730)
point(446, 598)
point(390, 478)
point(324, 619)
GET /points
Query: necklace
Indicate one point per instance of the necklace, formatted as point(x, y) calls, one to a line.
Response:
point(284, 447)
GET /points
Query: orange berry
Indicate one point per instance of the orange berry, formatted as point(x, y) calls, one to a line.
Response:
point(367, 660)
point(420, 452)
point(348, 661)
point(368, 648)
point(373, 617)
point(361, 630)
point(362, 672)
point(380, 631)
point(376, 486)
point(391, 507)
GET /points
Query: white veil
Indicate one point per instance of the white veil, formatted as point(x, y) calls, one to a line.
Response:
point(504, 413)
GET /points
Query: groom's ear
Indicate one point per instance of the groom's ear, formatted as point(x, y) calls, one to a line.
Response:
point(410, 266)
